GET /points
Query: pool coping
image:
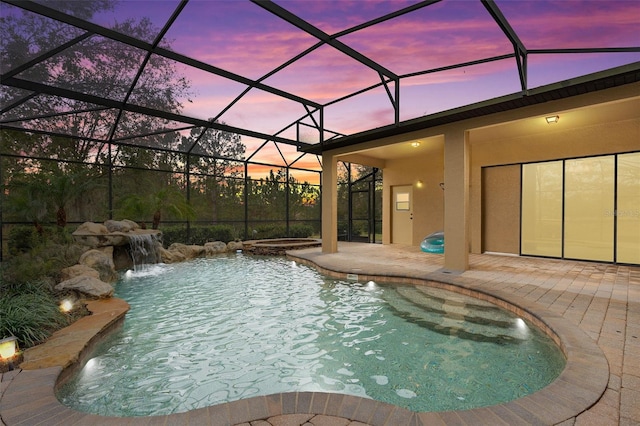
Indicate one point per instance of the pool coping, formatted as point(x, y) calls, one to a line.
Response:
point(28, 395)
point(578, 387)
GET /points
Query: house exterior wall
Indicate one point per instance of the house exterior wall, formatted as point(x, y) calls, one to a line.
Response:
point(597, 123)
point(599, 139)
point(428, 198)
point(500, 215)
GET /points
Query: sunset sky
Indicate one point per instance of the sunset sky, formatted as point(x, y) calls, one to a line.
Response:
point(243, 38)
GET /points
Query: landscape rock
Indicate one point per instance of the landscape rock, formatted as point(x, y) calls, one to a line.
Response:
point(87, 285)
point(102, 261)
point(168, 256)
point(134, 225)
point(120, 225)
point(234, 245)
point(215, 247)
point(189, 251)
point(92, 228)
point(78, 270)
point(91, 234)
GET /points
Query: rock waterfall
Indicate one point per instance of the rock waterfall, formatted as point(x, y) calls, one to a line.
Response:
point(144, 249)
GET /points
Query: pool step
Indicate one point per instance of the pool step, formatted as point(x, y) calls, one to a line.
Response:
point(452, 314)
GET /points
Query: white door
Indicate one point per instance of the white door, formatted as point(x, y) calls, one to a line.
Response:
point(402, 214)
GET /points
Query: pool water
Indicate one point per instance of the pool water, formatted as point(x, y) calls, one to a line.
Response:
point(216, 330)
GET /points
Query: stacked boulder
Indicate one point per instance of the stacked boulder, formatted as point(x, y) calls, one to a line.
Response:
point(178, 252)
point(107, 246)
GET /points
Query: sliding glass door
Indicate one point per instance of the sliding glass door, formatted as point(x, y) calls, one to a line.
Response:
point(541, 221)
point(588, 196)
point(627, 212)
point(585, 208)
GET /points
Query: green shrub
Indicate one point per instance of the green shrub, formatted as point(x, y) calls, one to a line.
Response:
point(199, 234)
point(300, 231)
point(31, 314)
point(43, 262)
point(266, 231)
point(28, 304)
point(173, 234)
point(204, 234)
point(22, 238)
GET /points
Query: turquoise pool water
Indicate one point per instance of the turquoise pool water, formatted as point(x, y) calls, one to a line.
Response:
point(216, 330)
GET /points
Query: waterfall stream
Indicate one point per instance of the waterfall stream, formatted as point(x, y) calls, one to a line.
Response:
point(143, 249)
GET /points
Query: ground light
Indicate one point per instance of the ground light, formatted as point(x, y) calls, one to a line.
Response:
point(9, 353)
point(66, 305)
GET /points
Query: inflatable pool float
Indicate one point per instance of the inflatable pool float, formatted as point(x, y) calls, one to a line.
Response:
point(433, 243)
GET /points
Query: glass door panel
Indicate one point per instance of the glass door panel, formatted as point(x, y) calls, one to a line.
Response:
point(627, 211)
point(589, 196)
point(542, 209)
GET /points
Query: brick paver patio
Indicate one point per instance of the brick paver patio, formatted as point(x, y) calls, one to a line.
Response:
point(594, 308)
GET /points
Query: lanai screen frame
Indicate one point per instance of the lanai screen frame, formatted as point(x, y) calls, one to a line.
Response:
point(314, 118)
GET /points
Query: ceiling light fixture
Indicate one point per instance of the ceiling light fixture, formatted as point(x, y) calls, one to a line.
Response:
point(552, 119)
point(415, 144)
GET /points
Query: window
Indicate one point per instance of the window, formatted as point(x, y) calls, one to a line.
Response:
point(402, 201)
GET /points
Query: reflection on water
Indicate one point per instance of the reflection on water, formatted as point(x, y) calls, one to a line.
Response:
point(231, 327)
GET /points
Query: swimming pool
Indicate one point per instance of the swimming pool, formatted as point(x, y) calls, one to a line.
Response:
point(215, 330)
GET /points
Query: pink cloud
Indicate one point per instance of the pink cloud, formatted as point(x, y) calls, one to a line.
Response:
point(543, 25)
point(243, 38)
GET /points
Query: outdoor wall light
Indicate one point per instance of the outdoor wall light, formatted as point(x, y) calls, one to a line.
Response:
point(419, 184)
point(415, 144)
point(552, 119)
point(8, 352)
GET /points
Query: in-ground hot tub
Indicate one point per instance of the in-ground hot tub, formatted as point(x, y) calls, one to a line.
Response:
point(278, 246)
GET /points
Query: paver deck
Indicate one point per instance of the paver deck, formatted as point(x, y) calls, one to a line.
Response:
point(593, 309)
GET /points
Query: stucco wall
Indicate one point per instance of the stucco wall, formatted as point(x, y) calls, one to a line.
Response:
point(501, 209)
point(428, 200)
point(606, 138)
point(597, 123)
point(549, 144)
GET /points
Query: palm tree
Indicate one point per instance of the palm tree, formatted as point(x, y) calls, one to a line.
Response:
point(171, 200)
point(168, 200)
point(27, 200)
point(65, 187)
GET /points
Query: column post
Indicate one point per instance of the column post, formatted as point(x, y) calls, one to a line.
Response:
point(456, 200)
point(329, 203)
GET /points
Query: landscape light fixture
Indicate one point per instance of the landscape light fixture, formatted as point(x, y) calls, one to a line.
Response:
point(552, 119)
point(66, 305)
point(8, 352)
